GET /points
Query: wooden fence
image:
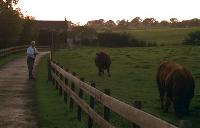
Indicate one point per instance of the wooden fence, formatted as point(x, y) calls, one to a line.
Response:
point(66, 83)
point(11, 50)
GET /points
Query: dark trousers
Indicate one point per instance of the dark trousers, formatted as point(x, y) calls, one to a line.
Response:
point(30, 64)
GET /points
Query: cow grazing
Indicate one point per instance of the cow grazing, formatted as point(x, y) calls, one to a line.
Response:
point(103, 61)
point(176, 85)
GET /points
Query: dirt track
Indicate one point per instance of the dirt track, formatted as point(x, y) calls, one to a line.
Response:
point(17, 96)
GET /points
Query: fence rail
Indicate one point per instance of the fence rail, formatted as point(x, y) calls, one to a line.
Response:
point(61, 78)
point(11, 50)
point(8, 51)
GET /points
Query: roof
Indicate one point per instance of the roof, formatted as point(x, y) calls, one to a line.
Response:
point(50, 25)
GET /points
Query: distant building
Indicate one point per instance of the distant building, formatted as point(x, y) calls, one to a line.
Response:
point(59, 26)
point(49, 32)
point(61, 34)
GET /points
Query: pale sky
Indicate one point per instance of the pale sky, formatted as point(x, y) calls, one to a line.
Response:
point(85, 10)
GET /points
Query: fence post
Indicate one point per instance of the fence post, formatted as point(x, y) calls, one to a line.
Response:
point(80, 94)
point(56, 83)
point(106, 109)
point(54, 71)
point(185, 124)
point(71, 105)
point(90, 121)
point(60, 88)
point(49, 70)
point(137, 104)
point(66, 84)
point(57, 74)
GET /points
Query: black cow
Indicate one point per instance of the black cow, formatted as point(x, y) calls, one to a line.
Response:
point(103, 61)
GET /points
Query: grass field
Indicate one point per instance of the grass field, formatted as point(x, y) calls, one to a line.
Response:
point(132, 78)
point(168, 36)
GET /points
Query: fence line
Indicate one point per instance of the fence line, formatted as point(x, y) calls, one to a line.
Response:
point(130, 113)
point(11, 50)
point(98, 119)
point(8, 51)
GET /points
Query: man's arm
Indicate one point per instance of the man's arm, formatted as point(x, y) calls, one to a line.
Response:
point(36, 51)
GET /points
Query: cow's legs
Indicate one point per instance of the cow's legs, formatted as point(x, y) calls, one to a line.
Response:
point(187, 113)
point(99, 71)
point(108, 71)
point(161, 92)
point(167, 104)
point(186, 105)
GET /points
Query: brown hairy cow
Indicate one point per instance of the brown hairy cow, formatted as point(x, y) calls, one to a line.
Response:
point(103, 61)
point(176, 85)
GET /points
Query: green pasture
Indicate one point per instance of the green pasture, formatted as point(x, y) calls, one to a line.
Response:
point(167, 36)
point(132, 78)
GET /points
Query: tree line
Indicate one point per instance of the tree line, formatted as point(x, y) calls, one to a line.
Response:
point(138, 23)
point(14, 26)
point(17, 29)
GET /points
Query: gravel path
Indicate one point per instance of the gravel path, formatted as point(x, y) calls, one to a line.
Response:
point(17, 95)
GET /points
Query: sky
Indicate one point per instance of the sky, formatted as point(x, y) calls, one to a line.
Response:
point(81, 11)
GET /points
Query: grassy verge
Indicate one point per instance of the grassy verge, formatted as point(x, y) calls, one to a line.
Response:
point(52, 111)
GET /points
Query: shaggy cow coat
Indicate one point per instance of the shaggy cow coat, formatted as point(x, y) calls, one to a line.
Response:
point(176, 85)
point(103, 62)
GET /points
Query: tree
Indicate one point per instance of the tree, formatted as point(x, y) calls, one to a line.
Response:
point(123, 24)
point(10, 26)
point(10, 23)
point(148, 22)
point(109, 25)
point(192, 38)
point(27, 33)
point(45, 37)
point(96, 24)
point(5, 4)
point(194, 22)
point(136, 22)
point(164, 23)
point(174, 21)
point(84, 35)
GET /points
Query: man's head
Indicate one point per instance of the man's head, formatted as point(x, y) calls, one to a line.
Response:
point(33, 43)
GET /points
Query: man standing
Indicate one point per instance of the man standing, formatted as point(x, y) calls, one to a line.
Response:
point(31, 55)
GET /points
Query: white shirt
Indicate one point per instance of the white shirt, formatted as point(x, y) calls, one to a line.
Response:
point(32, 52)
